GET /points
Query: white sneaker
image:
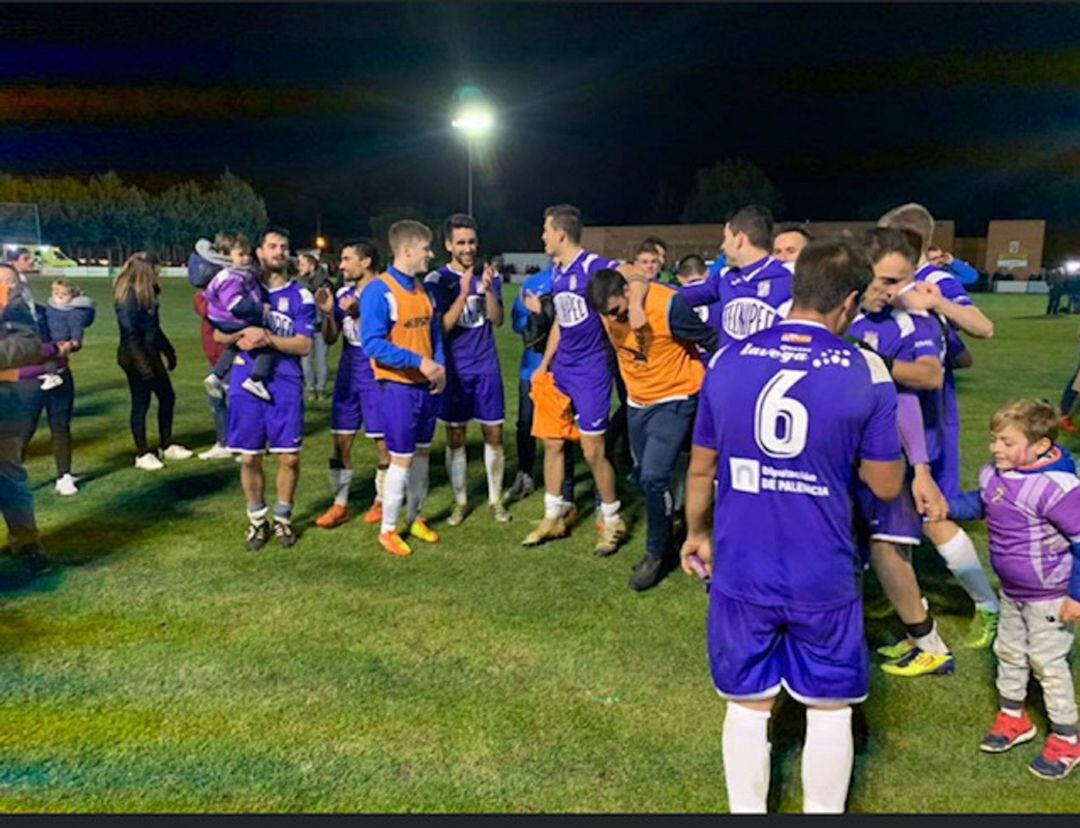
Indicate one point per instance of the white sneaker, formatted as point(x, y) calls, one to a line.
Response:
point(66, 486)
point(213, 386)
point(257, 389)
point(51, 381)
point(148, 462)
point(176, 452)
point(215, 452)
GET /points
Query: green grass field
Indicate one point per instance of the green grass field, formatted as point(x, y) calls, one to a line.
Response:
point(163, 668)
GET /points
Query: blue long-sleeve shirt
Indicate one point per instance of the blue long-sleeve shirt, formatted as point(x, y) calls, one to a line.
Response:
point(377, 317)
point(538, 283)
point(965, 273)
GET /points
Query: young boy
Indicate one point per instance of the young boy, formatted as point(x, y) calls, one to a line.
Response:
point(1030, 497)
point(234, 301)
point(68, 313)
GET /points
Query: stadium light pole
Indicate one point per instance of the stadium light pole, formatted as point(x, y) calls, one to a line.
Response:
point(475, 121)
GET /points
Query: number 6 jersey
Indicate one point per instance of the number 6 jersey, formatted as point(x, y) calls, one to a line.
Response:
point(790, 411)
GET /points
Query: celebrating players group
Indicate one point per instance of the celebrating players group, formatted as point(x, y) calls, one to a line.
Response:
point(791, 418)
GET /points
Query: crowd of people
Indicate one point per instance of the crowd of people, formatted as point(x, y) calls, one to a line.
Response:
point(788, 412)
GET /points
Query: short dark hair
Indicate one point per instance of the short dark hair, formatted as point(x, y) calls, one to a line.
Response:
point(793, 227)
point(12, 255)
point(827, 272)
point(646, 247)
point(566, 217)
point(457, 221)
point(276, 231)
point(756, 221)
point(659, 242)
point(365, 249)
point(603, 285)
point(881, 241)
point(692, 265)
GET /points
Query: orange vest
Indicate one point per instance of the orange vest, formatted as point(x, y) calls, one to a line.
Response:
point(669, 368)
point(411, 312)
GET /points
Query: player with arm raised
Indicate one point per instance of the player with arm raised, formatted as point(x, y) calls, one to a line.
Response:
point(577, 358)
point(468, 298)
point(939, 292)
point(786, 419)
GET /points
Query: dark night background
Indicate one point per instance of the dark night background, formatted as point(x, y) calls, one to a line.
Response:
point(344, 109)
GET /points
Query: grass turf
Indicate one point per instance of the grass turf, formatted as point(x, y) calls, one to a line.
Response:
point(162, 668)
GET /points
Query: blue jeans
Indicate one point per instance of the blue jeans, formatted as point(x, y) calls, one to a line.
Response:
point(657, 435)
point(220, 410)
point(315, 364)
point(16, 500)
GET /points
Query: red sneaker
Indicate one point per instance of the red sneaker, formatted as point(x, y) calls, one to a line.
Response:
point(1008, 732)
point(1057, 759)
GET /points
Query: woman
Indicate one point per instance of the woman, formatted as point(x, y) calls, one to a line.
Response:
point(143, 353)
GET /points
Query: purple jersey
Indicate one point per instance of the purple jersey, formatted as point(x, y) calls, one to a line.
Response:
point(950, 286)
point(582, 341)
point(354, 362)
point(470, 347)
point(747, 300)
point(292, 313)
point(897, 334)
point(709, 314)
point(226, 289)
point(789, 412)
point(1032, 518)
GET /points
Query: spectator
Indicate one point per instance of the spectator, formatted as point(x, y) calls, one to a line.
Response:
point(311, 275)
point(965, 273)
point(40, 393)
point(1055, 282)
point(147, 357)
point(19, 345)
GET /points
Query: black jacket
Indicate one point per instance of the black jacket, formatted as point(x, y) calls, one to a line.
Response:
point(142, 342)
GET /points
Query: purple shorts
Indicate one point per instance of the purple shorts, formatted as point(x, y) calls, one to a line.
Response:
point(408, 417)
point(472, 397)
point(355, 405)
point(590, 393)
point(256, 426)
point(896, 521)
point(817, 656)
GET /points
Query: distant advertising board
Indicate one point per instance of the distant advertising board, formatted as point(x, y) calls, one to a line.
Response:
point(1013, 258)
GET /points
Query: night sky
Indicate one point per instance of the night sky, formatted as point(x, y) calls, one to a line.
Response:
point(344, 109)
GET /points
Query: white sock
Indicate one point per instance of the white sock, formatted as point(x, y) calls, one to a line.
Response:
point(341, 496)
point(455, 468)
point(610, 512)
point(678, 485)
point(746, 758)
point(335, 481)
point(959, 555)
point(380, 478)
point(417, 486)
point(932, 642)
point(494, 464)
point(826, 760)
point(1016, 714)
point(553, 506)
point(393, 496)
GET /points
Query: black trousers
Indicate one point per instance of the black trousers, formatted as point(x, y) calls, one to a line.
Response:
point(141, 392)
point(59, 405)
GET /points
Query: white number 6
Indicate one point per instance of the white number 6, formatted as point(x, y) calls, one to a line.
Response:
point(773, 409)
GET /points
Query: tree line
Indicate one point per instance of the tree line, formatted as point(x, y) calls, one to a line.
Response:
point(105, 217)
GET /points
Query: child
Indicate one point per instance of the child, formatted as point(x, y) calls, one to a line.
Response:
point(67, 314)
point(1030, 496)
point(234, 301)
